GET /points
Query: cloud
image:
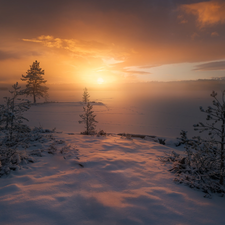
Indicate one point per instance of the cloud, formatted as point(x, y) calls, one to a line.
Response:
point(208, 13)
point(194, 36)
point(76, 37)
point(111, 61)
point(214, 34)
point(80, 48)
point(137, 72)
point(219, 65)
point(181, 19)
point(133, 70)
point(5, 55)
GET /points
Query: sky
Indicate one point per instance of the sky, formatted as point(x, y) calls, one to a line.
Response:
point(105, 43)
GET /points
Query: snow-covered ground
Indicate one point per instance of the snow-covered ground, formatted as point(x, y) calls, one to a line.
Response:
point(107, 179)
point(102, 180)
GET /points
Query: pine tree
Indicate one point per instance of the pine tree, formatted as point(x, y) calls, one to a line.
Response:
point(88, 118)
point(86, 96)
point(11, 113)
point(35, 81)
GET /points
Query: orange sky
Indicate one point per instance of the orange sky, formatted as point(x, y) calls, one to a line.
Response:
point(104, 43)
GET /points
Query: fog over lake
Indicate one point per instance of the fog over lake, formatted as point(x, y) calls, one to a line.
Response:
point(157, 111)
point(162, 115)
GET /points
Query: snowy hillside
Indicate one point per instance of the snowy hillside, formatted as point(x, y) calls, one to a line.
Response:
point(101, 180)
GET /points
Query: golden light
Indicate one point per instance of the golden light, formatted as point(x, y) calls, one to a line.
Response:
point(100, 80)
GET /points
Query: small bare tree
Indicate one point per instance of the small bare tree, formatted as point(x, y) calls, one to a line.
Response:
point(86, 96)
point(88, 118)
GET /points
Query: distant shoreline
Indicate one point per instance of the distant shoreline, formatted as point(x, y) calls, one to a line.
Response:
point(81, 103)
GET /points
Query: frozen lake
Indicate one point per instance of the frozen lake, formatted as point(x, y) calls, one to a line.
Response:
point(156, 114)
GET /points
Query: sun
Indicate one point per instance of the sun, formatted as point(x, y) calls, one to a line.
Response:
point(100, 80)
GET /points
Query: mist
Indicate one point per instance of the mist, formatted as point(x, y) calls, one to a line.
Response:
point(154, 108)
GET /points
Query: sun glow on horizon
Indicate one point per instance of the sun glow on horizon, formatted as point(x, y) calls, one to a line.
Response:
point(100, 80)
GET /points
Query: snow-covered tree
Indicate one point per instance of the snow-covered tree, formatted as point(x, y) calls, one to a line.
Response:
point(86, 96)
point(35, 81)
point(88, 118)
point(11, 113)
point(203, 165)
point(215, 129)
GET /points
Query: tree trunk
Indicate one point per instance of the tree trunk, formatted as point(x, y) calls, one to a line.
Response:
point(34, 99)
point(34, 89)
point(87, 125)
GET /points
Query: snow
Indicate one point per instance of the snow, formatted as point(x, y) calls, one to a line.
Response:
point(121, 182)
point(102, 180)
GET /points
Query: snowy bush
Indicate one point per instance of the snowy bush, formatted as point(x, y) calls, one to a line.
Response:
point(42, 130)
point(38, 142)
point(101, 133)
point(161, 141)
point(203, 166)
point(11, 159)
point(11, 113)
